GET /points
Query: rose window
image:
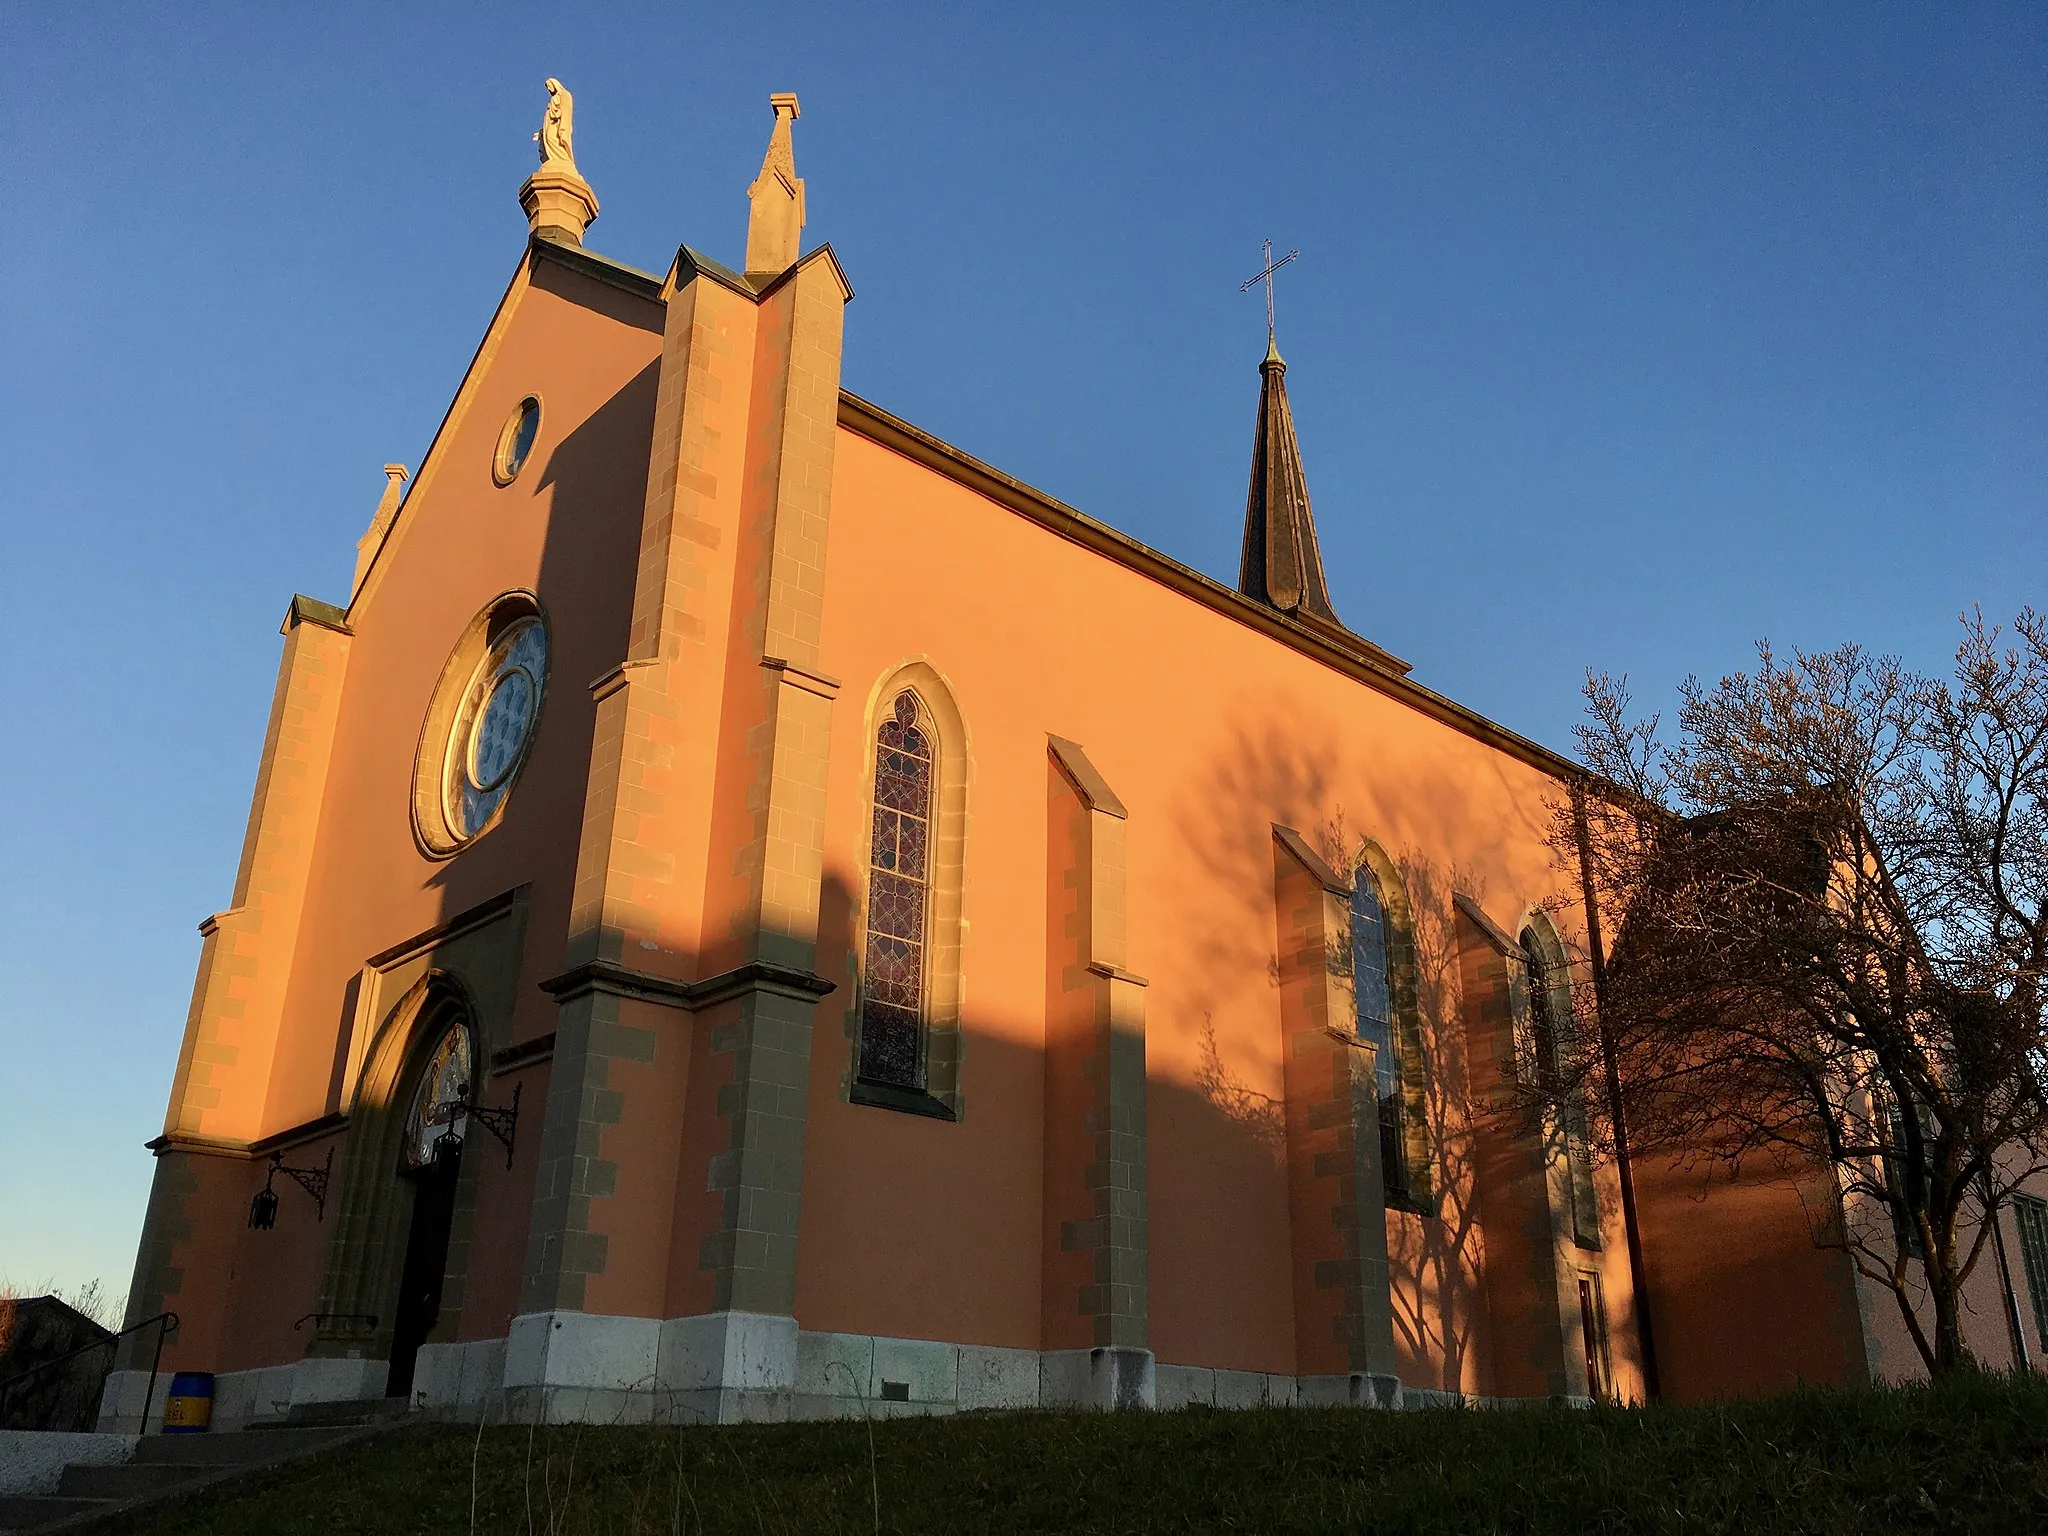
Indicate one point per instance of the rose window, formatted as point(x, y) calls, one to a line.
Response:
point(494, 725)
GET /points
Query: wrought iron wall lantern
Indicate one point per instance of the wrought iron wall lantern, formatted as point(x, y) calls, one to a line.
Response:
point(501, 1123)
point(263, 1209)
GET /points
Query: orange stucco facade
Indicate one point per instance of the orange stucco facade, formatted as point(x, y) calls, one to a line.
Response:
point(1142, 1164)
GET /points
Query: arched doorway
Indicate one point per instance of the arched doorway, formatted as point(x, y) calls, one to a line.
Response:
point(430, 1160)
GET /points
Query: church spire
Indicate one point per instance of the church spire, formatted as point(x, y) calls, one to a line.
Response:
point(775, 223)
point(1282, 564)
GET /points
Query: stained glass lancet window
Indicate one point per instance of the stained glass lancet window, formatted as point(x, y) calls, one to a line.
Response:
point(899, 900)
point(1550, 1028)
point(1376, 1021)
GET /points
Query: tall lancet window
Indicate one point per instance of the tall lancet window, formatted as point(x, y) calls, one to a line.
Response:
point(1376, 1023)
point(892, 1010)
point(1551, 1027)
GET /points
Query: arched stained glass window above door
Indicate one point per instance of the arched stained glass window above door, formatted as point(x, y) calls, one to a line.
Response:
point(440, 1105)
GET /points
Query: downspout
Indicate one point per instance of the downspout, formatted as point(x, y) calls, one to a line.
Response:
point(2012, 1301)
point(1638, 1275)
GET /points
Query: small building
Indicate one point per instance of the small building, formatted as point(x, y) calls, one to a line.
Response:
point(749, 911)
point(53, 1362)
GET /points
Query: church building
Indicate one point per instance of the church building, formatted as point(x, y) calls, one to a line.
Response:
point(750, 912)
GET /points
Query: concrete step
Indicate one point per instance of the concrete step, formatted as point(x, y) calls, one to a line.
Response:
point(131, 1480)
point(374, 1410)
point(165, 1466)
point(28, 1512)
point(246, 1446)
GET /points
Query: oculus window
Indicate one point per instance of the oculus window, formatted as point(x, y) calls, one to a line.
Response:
point(480, 725)
point(494, 725)
point(515, 441)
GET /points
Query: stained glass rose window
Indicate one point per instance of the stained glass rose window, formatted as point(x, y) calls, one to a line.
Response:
point(494, 725)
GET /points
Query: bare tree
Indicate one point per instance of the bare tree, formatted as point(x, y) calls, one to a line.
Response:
point(1832, 897)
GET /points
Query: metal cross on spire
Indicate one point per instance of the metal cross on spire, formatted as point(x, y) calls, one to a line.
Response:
point(1266, 277)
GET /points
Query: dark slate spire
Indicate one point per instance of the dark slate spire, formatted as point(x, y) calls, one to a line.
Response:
point(1282, 565)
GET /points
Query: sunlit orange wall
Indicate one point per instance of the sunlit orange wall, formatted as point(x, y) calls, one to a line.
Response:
point(568, 529)
point(1210, 733)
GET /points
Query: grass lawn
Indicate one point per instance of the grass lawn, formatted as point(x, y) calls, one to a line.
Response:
point(1971, 1456)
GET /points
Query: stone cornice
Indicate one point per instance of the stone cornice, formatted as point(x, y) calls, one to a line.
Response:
point(824, 686)
point(475, 917)
point(1317, 866)
point(693, 263)
point(643, 986)
point(1086, 777)
point(528, 1053)
point(249, 1151)
point(1116, 973)
point(298, 1135)
point(642, 285)
point(1494, 933)
point(310, 610)
point(824, 254)
point(1340, 650)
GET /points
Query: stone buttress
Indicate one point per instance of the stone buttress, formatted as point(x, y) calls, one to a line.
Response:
point(1094, 1328)
point(661, 1260)
point(1343, 1315)
point(219, 1096)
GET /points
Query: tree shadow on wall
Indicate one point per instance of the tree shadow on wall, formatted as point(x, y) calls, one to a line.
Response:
point(1435, 1259)
point(1273, 775)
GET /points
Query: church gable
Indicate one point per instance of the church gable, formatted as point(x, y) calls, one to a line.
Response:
point(525, 513)
point(571, 335)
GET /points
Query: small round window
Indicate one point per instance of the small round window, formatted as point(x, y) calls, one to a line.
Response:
point(516, 441)
point(480, 724)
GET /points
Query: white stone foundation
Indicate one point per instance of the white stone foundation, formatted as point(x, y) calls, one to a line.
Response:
point(464, 1381)
point(742, 1367)
point(1100, 1379)
point(122, 1410)
point(245, 1398)
point(579, 1367)
point(1185, 1386)
point(249, 1399)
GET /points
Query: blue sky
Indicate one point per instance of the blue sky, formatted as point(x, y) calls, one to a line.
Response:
point(1621, 336)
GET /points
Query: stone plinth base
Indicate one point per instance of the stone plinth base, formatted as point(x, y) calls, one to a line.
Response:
point(745, 1367)
point(558, 203)
point(1104, 1379)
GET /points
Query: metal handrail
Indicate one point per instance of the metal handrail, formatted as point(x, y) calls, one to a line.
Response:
point(165, 1323)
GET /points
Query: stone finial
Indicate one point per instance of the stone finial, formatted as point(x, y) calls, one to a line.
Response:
point(380, 525)
point(775, 224)
point(558, 201)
